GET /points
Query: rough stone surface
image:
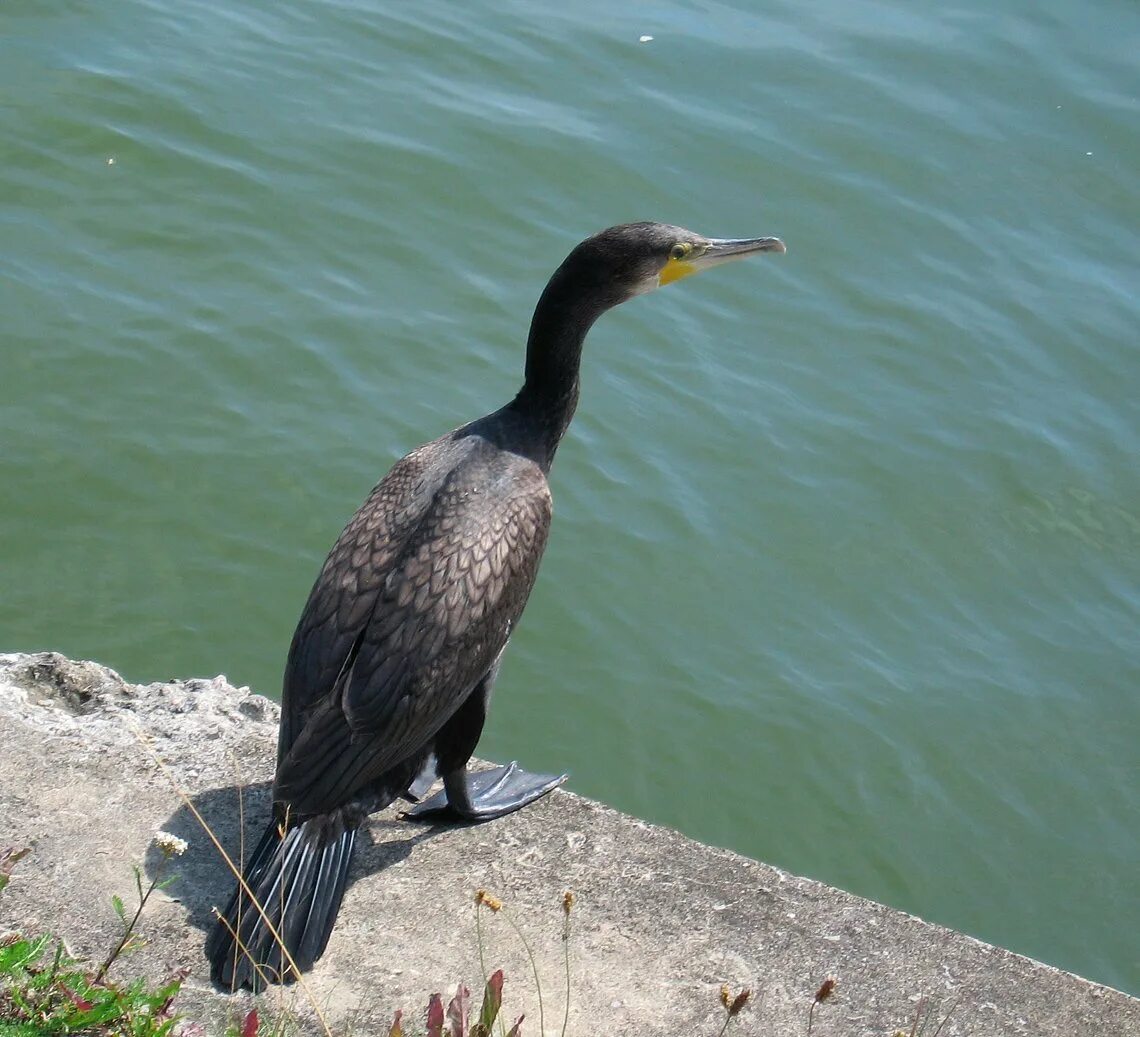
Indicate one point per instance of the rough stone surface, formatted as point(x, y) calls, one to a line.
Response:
point(659, 921)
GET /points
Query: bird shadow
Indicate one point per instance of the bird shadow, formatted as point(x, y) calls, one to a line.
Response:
point(236, 815)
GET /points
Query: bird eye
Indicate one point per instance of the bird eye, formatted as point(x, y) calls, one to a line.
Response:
point(680, 250)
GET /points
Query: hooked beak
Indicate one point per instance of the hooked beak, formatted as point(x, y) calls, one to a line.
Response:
point(735, 248)
point(717, 251)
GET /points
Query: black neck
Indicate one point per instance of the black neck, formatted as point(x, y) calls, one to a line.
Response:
point(565, 313)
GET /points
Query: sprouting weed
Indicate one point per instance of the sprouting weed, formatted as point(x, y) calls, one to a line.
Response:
point(826, 989)
point(567, 905)
point(9, 858)
point(483, 899)
point(48, 992)
point(170, 846)
point(456, 1020)
point(486, 900)
point(732, 1005)
point(922, 1018)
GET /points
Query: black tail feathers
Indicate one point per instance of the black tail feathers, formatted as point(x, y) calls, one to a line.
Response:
point(298, 879)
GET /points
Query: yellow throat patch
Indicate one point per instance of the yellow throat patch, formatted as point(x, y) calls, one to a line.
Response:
point(674, 270)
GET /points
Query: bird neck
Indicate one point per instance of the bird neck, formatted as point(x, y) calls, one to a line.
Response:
point(549, 395)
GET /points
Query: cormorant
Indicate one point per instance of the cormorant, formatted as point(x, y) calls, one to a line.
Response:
point(390, 671)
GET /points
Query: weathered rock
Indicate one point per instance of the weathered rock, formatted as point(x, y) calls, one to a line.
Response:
point(659, 921)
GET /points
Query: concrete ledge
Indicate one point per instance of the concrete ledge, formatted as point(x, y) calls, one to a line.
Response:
point(659, 923)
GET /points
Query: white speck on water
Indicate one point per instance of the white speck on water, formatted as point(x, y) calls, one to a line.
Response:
point(1089, 153)
point(645, 39)
point(110, 161)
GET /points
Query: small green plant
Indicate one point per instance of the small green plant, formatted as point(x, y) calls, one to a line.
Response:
point(171, 846)
point(46, 992)
point(456, 1021)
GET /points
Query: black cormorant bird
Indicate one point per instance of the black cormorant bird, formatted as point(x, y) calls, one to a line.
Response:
point(390, 672)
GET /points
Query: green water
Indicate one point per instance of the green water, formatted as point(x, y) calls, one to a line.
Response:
point(845, 571)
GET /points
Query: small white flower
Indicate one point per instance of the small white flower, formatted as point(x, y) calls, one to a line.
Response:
point(169, 844)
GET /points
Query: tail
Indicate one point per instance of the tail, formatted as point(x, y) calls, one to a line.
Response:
point(298, 880)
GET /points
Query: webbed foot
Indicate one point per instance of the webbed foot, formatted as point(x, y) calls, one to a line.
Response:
point(484, 795)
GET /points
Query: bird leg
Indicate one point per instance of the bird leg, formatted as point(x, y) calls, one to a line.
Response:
point(476, 795)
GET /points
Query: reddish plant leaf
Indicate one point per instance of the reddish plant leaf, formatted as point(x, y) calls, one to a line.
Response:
point(10, 855)
point(516, 1030)
point(492, 1001)
point(250, 1024)
point(396, 1029)
point(435, 1016)
point(80, 1002)
point(457, 1011)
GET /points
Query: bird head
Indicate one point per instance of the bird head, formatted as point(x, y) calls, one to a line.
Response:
point(634, 258)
